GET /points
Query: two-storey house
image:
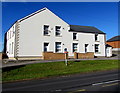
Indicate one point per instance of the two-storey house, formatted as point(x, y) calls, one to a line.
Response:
point(43, 33)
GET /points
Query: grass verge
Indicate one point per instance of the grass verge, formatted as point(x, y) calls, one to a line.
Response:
point(42, 70)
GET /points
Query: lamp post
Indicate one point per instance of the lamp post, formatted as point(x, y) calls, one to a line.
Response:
point(66, 54)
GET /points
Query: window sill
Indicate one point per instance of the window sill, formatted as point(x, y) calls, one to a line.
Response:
point(97, 41)
point(46, 35)
point(75, 39)
point(97, 52)
point(58, 35)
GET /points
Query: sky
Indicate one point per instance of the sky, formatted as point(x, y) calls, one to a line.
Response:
point(103, 15)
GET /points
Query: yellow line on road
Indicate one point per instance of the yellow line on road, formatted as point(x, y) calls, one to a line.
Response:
point(110, 85)
point(81, 90)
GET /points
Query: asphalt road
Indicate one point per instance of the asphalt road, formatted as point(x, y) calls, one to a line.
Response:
point(106, 81)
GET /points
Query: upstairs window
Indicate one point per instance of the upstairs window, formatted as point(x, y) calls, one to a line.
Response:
point(10, 33)
point(7, 35)
point(75, 47)
point(96, 37)
point(96, 47)
point(58, 30)
point(58, 47)
point(13, 32)
point(46, 30)
point(74, 36)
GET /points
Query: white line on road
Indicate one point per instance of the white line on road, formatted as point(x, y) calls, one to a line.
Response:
point(105, 82)
point(58, 90)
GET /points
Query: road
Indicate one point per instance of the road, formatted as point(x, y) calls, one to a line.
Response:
point(97, 81)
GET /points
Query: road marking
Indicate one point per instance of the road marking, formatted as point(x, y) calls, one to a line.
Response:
point(110, 85)
point(81, 90)
point(58, 90)
point(105, 82)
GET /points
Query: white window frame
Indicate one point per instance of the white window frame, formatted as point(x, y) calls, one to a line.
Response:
point(47, 47)
point(60, 47)
point(96, 37)
point(48, 30)
point(13, 31)
point(75, 49)
point(76, 35)
point(12, 48)
point(97, 48)
point(86, 48)
point(59, 31)
point(8, 35)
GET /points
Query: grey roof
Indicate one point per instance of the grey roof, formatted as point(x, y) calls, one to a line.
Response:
point(115, 38)
point(85, 29)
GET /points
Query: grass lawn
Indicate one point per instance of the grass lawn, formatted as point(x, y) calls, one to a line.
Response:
point(42, 70)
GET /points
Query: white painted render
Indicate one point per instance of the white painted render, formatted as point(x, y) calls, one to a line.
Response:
point(31, 38)
point(109, 51)
point(11, 41)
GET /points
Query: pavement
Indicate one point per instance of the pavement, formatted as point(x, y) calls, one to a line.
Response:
point(105, 81)
point(9, 63)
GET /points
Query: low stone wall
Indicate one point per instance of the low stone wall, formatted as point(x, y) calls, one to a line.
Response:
point(53, 56)
point(88, 55)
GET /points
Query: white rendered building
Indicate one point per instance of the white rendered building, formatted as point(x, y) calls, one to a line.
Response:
point(43, 31)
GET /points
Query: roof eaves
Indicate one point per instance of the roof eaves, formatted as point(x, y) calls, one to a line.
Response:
point(86, 32)
point(32, 14)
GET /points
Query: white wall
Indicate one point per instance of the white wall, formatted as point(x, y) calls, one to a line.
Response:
point(31, 38)
point(101, 42)
point(10, 40)
point(109, 51)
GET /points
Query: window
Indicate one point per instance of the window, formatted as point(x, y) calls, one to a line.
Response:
point(96, 37)
point(46, 47)
point(96, 47)
point(86, 48)
point(8, 35)
point(58, 47)
point(12, 48)
point(74, 36)
point(46, 30)
point(75, 47)
point(13, 28)
point(13, 31)
point(58, 30)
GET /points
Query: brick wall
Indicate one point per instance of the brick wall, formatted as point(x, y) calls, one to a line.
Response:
point(53, 56)
point(114, 44)
point(83, 55)
point(0, 56)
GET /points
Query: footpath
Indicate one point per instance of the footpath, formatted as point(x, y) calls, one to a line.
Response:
point(10, 63)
